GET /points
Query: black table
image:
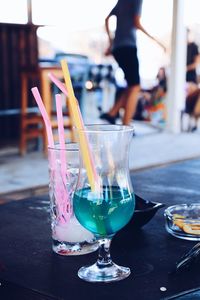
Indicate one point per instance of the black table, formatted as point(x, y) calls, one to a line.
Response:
point(30, 270)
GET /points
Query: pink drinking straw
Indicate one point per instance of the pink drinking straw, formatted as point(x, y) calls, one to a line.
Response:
point(58, 83)
point(61, 135)
point(61, 131)
point(45, 116)
point(63, 89)
point(59, 193)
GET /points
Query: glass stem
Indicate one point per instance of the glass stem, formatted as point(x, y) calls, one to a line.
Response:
point(104, 258)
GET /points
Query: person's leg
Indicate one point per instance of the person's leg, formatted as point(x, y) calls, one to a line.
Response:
point(127, 60)
point(120, 56)
point(131, 104)
point(131, 71)
point(120, 103)
point(196, 112)
point(111, 115)
point(197, 107)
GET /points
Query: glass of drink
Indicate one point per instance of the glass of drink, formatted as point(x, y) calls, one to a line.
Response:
point(69, 237)
point(109, 206)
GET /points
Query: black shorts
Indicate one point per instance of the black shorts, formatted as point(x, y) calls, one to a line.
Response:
point(127, 60)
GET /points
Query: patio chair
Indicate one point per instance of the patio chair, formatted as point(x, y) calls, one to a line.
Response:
point(32, 125)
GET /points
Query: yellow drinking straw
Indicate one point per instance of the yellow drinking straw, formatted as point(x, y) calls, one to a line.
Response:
point(78, 122)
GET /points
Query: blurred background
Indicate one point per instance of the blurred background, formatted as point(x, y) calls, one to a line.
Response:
point(35, 35)
point(77, 27)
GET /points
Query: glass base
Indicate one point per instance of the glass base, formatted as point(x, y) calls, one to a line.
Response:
point(108, 273)
point(67, 248)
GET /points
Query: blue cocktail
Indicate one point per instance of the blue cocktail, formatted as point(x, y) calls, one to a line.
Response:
point(109, 205)
point(106, 215)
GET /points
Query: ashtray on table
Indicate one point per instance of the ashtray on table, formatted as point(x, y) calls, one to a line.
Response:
point(183, 221)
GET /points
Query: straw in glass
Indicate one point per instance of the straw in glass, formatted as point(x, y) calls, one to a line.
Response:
point(80, 125)
point(61, 135)
point(84, 145)
point(95, 184)
point(60, 195)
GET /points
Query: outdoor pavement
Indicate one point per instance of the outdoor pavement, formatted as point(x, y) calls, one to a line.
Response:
point(149, 148)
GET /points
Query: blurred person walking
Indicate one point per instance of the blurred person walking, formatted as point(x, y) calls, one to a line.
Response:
point(192, 103)
point(193, 59)
point(124, 49)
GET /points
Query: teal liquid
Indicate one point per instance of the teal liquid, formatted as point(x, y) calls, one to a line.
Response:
point(106, 215)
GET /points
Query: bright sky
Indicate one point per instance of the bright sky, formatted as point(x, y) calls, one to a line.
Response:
point(78, 14)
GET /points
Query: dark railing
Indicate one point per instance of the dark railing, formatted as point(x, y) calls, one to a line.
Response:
point(18, 52)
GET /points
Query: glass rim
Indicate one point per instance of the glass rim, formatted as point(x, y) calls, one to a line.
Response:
point(57, 147)
point(108, 128)
point(169, 210)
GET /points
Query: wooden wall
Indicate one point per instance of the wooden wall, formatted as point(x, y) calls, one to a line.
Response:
point(18, 52)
